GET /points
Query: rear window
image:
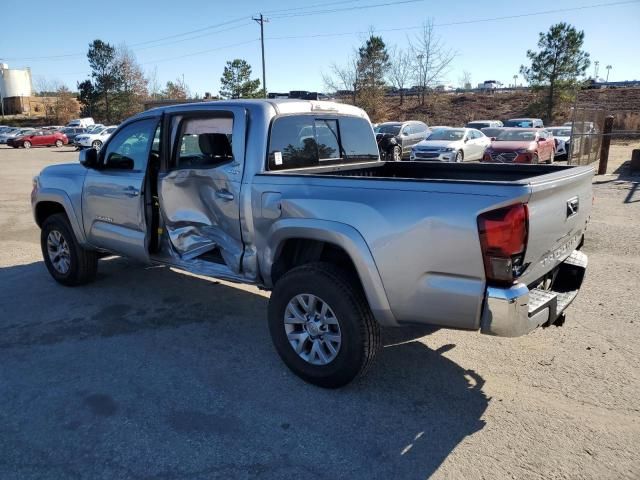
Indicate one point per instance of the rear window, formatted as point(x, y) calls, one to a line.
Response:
point(519, 123)
point(299, 141)
point(478, 125)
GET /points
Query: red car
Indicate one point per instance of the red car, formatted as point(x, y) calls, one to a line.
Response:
point(521, 145)
point(40, 138)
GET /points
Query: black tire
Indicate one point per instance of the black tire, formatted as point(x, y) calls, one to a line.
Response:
point(26, 144)
point(96, 145)
point(83, 264)
point(59, 143)
point(459, 156)
point(551, 158)
point(396, 153)
point(359, 330)
point(535, 159)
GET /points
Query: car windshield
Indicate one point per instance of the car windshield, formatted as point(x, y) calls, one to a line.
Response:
point(393, 129)
point(519, 123)
point(560, 132)
point(516, 136)
point(492, 132)
point(450, 134)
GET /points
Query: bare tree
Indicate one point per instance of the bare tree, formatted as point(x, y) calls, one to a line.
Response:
point(431, 59)
point(45, 86)
point(343, 78)
point(154, 83)
point(400, 70)
point(133, 90)
point(465, 80)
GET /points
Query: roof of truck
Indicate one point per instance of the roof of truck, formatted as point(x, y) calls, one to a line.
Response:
point(279, 105)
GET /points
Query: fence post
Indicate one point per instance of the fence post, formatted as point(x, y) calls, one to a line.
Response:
point(604, 146)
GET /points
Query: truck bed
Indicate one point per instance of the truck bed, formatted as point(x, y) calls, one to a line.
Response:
point(467, 172)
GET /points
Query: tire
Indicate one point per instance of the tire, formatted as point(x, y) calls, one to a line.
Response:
point(551, 158)
point(535, 159)
point(358, 331)
point(396, 154)
point(96, 145)
point(82, 264)
point(26, 144)
point(59, 143)
point(459, 156)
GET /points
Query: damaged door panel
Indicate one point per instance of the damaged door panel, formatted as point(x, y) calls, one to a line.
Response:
point(200, 193)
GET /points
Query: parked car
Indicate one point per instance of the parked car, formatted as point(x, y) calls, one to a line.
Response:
point(524, 123)
point(480, 124)
point(395, 139)
point(562, 137)
point(521, 145)
point(452, 145)
point(310, 224)
point(14, 132)
point(81, 122)
point(39, 138)
point(94, 127)
point(492, 132)
point(73, 132)
point(94, 139)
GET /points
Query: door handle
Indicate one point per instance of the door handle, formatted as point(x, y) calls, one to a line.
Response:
point(131, 191)
point(225, 195)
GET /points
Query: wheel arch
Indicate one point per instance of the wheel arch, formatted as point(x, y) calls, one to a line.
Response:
point(52, 201)
point(294, 242)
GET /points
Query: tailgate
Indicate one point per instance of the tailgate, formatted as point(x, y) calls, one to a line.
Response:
point(559, 209)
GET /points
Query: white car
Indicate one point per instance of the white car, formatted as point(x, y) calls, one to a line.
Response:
point(562, 136)
point(451, 145)
point(94, 139)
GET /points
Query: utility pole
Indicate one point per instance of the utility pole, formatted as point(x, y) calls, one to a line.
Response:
point(515, 81)
point(608, 67)
point(261, 21)
point(596, 64)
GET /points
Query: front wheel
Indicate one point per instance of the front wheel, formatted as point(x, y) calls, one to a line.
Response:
point(459, 156)
point(26, 144)
point(397, 154)
point(321, 325)
point(535, 159)
point(67, 262)
point(96, 145)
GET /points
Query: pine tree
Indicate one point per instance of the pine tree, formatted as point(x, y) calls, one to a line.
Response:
point(236, 81)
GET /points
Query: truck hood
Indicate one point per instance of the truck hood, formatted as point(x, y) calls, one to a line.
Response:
point(64, 170)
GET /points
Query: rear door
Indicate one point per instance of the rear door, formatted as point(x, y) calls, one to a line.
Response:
point(559, 208)
point(113, 210)
point(199, 190)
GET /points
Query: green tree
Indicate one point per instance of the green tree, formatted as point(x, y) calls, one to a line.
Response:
point(372, 66)
point(106, 71)
point(558, 63)
point(175, 90)
point(87, 97)
point(236, 81)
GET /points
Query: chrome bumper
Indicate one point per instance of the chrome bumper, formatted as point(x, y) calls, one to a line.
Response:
point(516, 311)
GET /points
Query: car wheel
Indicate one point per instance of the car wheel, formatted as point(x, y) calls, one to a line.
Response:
point(321, 325)
point(459, 156)
point(26, 144)
point(397, 154)
point(96, 145)
point(535, 159)
point(59, 143)
point(67, 262)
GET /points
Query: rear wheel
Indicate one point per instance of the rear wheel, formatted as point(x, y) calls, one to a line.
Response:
point(26, 144)
point(321, 325)
point(59, 143)
point(67, 262)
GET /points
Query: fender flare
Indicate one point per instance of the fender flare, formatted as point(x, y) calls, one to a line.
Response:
point(56, 195)
point(343, 236)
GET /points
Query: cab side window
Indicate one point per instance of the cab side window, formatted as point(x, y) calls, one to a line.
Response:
point(129, 148)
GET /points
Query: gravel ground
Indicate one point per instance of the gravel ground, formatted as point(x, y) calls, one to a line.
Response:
point(148, 373)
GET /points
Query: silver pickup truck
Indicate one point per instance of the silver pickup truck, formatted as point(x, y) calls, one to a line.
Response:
point(292, 196)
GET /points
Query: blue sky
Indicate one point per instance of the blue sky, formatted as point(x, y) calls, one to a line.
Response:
point(488, 49)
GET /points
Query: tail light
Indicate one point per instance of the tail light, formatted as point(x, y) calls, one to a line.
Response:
point(503, 238)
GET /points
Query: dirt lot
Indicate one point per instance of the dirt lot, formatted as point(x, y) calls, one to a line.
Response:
point(147, 373)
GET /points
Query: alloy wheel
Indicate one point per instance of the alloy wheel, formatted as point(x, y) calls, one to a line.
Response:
point(58, 251)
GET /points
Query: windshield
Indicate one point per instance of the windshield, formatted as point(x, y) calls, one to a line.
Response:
point(560, 132)
point(492, 132)
point(450, 134)
point(393, 129)
point(516, 136)
point(519, 123)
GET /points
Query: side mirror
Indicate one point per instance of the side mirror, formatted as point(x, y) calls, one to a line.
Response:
point(493, 139)
point(466, 140)
point(89, 158)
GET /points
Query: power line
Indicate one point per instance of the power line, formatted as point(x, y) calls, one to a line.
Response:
point(193, 54)
point(334, 10)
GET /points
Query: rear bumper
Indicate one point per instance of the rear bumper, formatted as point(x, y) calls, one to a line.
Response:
point(516, 311)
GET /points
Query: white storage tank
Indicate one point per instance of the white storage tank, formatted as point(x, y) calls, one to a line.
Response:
point(14, 82)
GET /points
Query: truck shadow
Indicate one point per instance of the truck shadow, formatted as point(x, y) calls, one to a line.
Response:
point(147, 357)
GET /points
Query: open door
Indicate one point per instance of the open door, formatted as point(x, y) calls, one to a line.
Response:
point(200, 190)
